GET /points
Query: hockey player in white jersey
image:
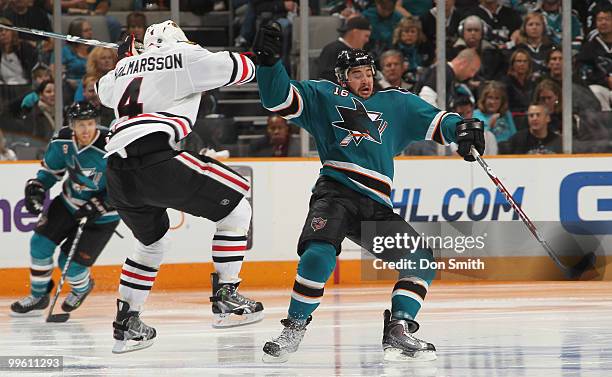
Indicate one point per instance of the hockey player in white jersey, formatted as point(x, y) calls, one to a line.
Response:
point(156, 96)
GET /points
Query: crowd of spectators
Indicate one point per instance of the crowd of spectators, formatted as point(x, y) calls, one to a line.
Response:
point(505, 58)
point(504, 63)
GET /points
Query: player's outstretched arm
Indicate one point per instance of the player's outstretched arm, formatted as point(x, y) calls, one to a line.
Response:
point(206, 70)
point(280, 94)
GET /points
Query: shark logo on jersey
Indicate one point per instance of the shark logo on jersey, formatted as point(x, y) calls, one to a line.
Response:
point(82, 179)
point(360, 124)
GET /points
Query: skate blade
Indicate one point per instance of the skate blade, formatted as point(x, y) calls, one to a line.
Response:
point(395, 354)
point(270, 359)
point(30, 314)
point(122, 346)
point(232, 320)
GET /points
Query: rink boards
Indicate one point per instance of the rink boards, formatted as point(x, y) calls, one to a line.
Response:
point(573, 193)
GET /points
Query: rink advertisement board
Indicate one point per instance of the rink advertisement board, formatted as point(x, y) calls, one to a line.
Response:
point(574, 192)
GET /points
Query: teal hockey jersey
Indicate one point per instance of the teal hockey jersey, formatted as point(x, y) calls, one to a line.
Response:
point(86, 170)
point(356, 138)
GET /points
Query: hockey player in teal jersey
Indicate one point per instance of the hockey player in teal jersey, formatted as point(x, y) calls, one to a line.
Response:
point(77, 153)
point(357, 133)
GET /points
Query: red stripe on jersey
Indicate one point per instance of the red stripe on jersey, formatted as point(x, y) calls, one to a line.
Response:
point(147, 115)
point(228, 248)
point(217, 172)
point(245, 68)
point(137, 276)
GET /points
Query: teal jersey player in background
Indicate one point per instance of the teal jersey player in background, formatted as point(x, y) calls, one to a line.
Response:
point(76, 153)
point(357, 133)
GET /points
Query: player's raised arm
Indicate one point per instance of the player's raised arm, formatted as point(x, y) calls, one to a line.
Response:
point(288, 98)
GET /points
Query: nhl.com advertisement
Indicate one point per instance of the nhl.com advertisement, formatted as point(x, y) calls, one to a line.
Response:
point(454, 218)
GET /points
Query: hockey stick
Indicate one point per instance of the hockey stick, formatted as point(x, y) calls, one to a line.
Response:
point(69, 38)
point(571, 272)
point(63, 317)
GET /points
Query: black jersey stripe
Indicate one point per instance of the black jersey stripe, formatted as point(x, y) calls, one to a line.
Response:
point(307, 291)
point(170, 115)
point(131, 263)
point(412, 287)
point(293, 107)
point(177, 131)
point(34, 272)
point(218, 237)
point(134, 286)
point(237, 258)
point(234, 69)
point(371, 183)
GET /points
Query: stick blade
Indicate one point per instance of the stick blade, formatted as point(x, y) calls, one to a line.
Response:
point(586, 263)
point(58, 318)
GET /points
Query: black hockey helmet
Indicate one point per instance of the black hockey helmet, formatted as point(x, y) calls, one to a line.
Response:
point(82, 110)
point(352, 58)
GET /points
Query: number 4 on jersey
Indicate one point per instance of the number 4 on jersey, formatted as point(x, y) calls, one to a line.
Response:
point(128, 104)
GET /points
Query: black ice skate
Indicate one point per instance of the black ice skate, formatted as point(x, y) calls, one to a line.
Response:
point(278, 349)
point(75, 299)
point(31, 306)
point(129, 329)
point(230, 308)
point(400, 345)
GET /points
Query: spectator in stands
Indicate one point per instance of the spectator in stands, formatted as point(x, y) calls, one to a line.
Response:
point(428, 20)
point(538, 138)
point(6, 154)
point(94, 8)
point(40, 73)
point(99, 62)
point(355, 33)
point(493, 111)
point(136, 23)
point(41, 119)
point(502, 20)
point(74, 55)
point(519, 82)
point(278, 141)
point(17, 58)
point(583, 98)
point(595, 58)
point(471, 33)
point(551, 9)
point(23, 13)
point(383, 18)
point(462, 68)
point(592, 8)
point(548, 93)
point(532, 38)
point(415, 8)
point(409, 39)
point(393, 68)
point(90, 95)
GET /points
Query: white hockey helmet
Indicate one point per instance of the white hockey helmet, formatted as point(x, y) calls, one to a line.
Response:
point(167, 32)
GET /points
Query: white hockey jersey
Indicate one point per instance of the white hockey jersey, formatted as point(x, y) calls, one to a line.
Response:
point(160, 90)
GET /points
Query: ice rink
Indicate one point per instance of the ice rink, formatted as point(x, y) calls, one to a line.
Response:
point(514, 329)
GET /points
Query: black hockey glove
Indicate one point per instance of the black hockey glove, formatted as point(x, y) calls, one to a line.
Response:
point(470, 132)
point(129, 47)
point(34, 196)
point(268, 44)
point(93, 209)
